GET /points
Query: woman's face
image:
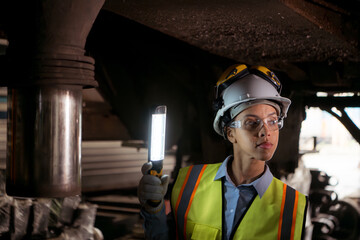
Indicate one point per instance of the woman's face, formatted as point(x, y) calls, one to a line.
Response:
point(251, 142)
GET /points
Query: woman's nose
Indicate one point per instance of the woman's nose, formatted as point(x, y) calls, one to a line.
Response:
point(264, 130)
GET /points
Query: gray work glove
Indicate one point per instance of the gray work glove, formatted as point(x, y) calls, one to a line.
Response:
point(152, 188)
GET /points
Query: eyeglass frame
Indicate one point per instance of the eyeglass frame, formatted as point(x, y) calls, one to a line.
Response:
point(238, 123)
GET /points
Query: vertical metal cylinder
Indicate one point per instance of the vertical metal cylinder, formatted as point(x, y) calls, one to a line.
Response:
point(46, 72)
point(44, 141)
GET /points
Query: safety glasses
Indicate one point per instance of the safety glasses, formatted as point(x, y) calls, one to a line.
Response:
point(239, 71)
point(255, 124)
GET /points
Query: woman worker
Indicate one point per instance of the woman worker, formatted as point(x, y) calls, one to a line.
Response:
point(238, 198)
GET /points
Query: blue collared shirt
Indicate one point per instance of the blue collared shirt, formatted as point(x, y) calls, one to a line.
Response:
point(156, 224)
point(244, 191)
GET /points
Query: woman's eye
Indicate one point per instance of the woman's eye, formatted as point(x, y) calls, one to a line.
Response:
point(252, 123)
point(272, 122)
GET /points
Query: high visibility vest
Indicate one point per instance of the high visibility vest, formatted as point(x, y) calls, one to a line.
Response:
point(197, 205)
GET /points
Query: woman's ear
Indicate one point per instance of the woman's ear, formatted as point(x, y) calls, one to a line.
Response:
point(230, 134)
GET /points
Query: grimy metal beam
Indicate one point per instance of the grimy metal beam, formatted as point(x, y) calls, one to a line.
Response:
point(346, 121)
point(327, 103)
point(338, 102)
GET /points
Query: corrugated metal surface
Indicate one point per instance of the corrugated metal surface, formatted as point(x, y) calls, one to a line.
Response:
point(106, 165)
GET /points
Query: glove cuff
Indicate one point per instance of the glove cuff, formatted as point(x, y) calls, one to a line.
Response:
point(154, 210)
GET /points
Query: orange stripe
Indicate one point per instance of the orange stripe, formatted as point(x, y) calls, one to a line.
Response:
point(282, 211)
point(179, 198)
point(294, 214)
point(192, 197)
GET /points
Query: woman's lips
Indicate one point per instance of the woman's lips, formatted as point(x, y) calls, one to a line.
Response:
point(265, 145)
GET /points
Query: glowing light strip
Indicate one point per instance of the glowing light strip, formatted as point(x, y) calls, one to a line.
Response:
point(158, 126)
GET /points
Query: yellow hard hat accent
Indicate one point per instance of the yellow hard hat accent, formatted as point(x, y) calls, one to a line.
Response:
point(267, 74)
point(231, 72)
point(229, 76)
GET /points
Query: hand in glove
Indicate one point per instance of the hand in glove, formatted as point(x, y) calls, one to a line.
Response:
point(152, 188)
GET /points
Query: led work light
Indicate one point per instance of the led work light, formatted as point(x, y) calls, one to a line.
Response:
point(157, 140)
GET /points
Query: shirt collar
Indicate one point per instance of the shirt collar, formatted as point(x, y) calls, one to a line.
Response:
point(222, 171)
point(260, 184)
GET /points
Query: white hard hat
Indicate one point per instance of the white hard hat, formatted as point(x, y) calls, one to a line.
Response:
point(240, 87)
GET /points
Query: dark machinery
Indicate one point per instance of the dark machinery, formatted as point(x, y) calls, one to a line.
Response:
point(332, 218)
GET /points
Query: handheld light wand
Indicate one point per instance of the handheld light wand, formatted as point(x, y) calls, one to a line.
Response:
point(157, 140)
point(157, 143)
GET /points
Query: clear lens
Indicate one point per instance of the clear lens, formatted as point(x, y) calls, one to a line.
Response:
point(254, 124)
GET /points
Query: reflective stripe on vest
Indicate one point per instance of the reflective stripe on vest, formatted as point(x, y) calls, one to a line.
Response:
point(288, 213)
point(185, 198)
point(288, 198)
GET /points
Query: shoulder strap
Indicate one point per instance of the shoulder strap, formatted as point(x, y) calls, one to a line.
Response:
point(185, 198)
point(288, 212)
